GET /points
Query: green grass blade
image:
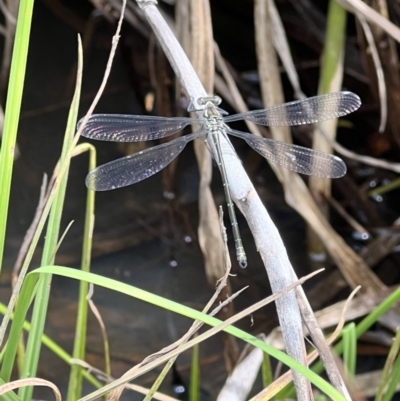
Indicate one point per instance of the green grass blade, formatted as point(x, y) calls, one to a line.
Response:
point(160, 378)
point(194, 387)
point(41, 301)
point(350, 349)
point(332, 59)
point(393, 381)
point(391, 372)
point(76, 375)
point(331, 77)
point(266, 371)
point(24, 302)
point(13, 108)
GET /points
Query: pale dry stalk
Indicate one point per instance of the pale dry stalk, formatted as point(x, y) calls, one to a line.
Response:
point(266, 235)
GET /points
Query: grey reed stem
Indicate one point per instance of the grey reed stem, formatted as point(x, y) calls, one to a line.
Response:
point(266, 235)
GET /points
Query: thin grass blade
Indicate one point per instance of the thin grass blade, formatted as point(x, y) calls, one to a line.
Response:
point(41, 302)
point(194, 387)
point(350, 349)
point(77, 371)
point(13, 108)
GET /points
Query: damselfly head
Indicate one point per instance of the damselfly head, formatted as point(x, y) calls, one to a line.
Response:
point(209, 102)
point(215, 100)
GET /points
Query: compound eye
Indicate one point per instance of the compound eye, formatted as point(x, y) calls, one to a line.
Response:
point(215, 100)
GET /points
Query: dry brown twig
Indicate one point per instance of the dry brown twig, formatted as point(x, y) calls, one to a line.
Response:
point(106, 378)
point(369, 160)
point(197, 40)
point(32, 381)
point(372, 16)
point(103, 329)
point(379, 71)
point(385, 53)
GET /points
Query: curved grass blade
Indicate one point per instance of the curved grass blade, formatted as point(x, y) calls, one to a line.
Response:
point(227, 326)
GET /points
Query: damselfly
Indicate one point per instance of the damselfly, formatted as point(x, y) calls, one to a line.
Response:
point(139, 166)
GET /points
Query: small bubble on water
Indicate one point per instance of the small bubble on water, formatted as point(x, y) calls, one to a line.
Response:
point(169, 195)
point(179, 389)
point(360, 236)
point(317, 256)
point(377, 198)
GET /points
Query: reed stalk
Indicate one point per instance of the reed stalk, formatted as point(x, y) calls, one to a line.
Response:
point(266, 235)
